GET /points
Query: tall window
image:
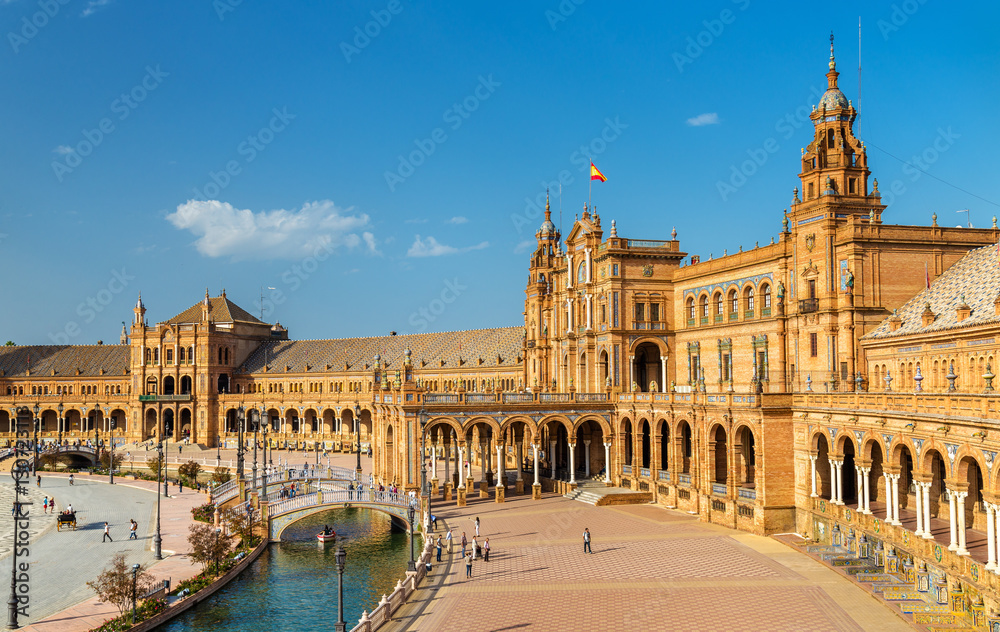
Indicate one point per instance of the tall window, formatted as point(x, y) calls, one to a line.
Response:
point(654, 311)
point(640, 311)
point(734, 304)
point(748, 298)
point(813, 345)
point(718, 304)
point(704, 306)
point(690, 308)
point(767, 296)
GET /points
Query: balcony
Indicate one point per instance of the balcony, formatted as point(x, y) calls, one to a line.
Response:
point(719, 489)
point(808, 305)
point(165, 398)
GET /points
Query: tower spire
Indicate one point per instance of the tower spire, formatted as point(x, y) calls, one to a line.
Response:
point(831, 77)
point(548, 211)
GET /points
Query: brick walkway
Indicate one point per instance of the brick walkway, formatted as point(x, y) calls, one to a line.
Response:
point(90, 613)
point(652, 568)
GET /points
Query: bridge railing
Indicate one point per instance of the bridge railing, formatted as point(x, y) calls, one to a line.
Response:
point(391, 603)
point(339, 496)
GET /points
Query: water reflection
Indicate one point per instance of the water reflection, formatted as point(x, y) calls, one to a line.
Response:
point(293, 586)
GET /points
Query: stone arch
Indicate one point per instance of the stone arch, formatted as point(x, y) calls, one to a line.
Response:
point(934, 468)
point(821, 446)
point(845, 442)
point(685, 445)
point(874, 455)
point(626, 432)
point(149, 422)
point(745, 455)
point(663, 429)
point(185, 422)
point(969, 473)
point(122, 423)
point(168, 385)
point(718, 448)
point(645, 436)
point(311, 418)
point(646, 365)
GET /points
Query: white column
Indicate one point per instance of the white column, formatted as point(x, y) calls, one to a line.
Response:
point(860, 487)
point(461, 466)
point(663, 374)
point(501, 470)
point(833, 481)
point(520, 459)
point(888, 497)
point(434, 461)
point(812, 463)
point(961, 523)
point(569, 266)
point(927, 512)
point(569, 315)
point(586, 457)
point(607, 462)
point(867, 488)
point(552, 458)
point(572, 463)
point(952, 521)
point(590, 278)
point(589, 299)
point(840, 482)
point(895, 499)
point(631, 372)
point(534, 446)
point(920, 512)
point(996, 534)
point(447, 459)
point(991, 538)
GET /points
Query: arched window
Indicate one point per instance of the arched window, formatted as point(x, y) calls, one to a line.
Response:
point(748, 301)
point(718, 303)
point(180, 356)
point(156, 355)
point(704, 306)
point(734, 304)
point(766, 295)
point(170, 356)
point(690, 308)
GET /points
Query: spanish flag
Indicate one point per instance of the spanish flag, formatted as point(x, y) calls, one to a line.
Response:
point(595, 174)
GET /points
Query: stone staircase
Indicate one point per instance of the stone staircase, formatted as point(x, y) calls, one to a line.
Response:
point(914, 593)
point(595, 492)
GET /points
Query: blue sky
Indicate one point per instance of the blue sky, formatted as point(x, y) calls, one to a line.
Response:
point(379, 163)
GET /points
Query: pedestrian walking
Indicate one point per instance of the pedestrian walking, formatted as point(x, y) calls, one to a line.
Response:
point(477, 525)
point(448, 538)
point(586, 540)
point(107, 534)
point(476, 551)
point(132, 529)
point(468, 565)
point(439, 548)
point(486, 550)
point(38, 481)
point(465, 543)
point(45, 505)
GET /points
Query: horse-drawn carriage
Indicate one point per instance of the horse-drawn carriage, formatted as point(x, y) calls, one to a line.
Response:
point(66, 520)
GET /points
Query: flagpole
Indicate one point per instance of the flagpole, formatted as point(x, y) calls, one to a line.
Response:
point(590, 191)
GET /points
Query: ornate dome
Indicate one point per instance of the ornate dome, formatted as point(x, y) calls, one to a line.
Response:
point(548, 228)
point(832, 99)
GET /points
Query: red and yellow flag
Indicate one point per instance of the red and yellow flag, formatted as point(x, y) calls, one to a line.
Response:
point(595, 174)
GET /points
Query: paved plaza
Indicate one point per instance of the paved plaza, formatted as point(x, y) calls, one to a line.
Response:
point(652, 569)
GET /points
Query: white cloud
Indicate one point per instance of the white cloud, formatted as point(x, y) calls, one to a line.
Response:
point(415, 220)
point(708, 118)
point(457, 220)
point(430, 247)
point(524, 246)
point(63, 150)
point(369, 240)
point(93, 6)
point(225, 231)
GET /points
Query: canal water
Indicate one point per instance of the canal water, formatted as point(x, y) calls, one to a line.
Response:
point(293, 585)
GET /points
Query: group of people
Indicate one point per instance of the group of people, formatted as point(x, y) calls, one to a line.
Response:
point(288, 492)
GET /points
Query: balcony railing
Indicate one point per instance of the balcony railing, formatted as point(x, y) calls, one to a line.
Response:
point(440, 398)
point(627, 470)
point(664, 476)
point(684, 479)
point(591, 397)
point(555, 397)
point(719, 489)
point(644, 472)
point(481, 398)
point(165, 398)
point(808, 305)
point(518, 398)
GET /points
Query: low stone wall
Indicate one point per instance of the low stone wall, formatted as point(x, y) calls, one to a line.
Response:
point(382, 614)
point(187, 603)
point(636, 498)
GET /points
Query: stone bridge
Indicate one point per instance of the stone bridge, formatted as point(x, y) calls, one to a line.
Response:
point(234, 488)
point(278, 515)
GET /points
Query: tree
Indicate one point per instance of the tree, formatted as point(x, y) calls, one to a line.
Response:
point(106, 459)
point(189, 471)
point(154, 463)
point(10, 343)
point(207, 544)
point(221, 475)
point(241, 523)
point(114, 584)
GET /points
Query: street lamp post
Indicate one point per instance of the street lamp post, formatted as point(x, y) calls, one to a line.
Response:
point(135, 573)
point(425, 486)
point(410, 513)
point(240, 436)
point(256, 424)
point(218, 449)
point(215, 551)
point(263, 458)
point(357, 424)
point(341, 557)
point(97, 437)
point(34, 461)
point(111, 452)
point(157, 541)
point(61, 422)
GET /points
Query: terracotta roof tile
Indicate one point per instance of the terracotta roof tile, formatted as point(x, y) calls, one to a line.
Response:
point(220, 310)
point(976, 277)
point(64, 359)
point(427, 351)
